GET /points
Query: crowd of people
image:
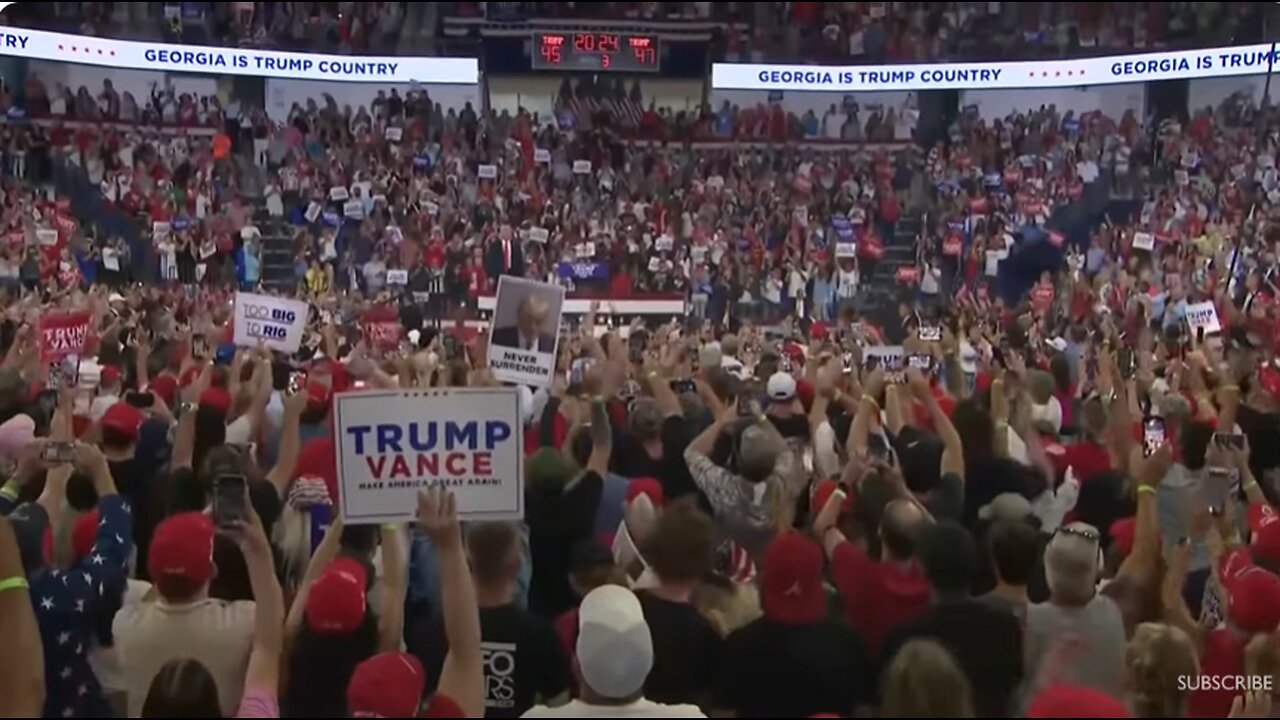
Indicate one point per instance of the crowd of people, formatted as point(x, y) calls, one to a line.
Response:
point(1043, 485)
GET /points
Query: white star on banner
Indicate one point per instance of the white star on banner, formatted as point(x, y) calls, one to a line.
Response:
point(98, 559)
point(66, 672)
point(64, 637)
point(47, 603)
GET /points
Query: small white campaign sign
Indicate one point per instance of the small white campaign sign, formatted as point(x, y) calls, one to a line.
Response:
point(539, 235)
point(1204, 315)
point(581, 167)
point(888, 357)
point(393, 134)
point(541, 155)
point(279, 323)
point(846, 250)
point(522, 335)
point(397, 277)
point(392, 444)
point(487, 171)
point(47, 236)
point(1144, 241)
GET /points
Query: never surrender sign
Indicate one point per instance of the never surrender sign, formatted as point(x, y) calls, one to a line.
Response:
point(63, 334)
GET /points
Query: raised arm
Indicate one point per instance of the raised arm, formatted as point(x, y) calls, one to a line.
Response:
point(22, 665)
point(462, 676)
point(268, 619)
point(394, 579)
point(290, 442)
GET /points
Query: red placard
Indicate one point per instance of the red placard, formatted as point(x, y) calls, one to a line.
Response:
point(952, 246)
point(63, 334)
point(381, 326)
point(907, 274)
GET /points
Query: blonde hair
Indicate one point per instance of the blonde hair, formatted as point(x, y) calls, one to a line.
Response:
point(924, 681)
point(1156, 657)
point(728, 607)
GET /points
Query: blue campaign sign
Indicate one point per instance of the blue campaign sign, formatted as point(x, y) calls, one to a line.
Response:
point(583, 270)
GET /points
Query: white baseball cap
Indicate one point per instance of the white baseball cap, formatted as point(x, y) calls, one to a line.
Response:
point(615, 649)
point(781, 386)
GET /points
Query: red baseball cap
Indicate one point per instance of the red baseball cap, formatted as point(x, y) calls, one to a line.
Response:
point(387, 685)
point(1253, 593)
point(124, 419)
point(649, 487)
point(318, 396)
point(338, 603)
point(84, 534)
point(182, 546)
point(1074, 701)
point(216, 398)
point(791, 589)
point(165, 386)
point(109, 374)
point(822, 493)
point(1264, 523)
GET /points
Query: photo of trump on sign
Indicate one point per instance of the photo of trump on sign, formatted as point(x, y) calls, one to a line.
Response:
point(522, 336)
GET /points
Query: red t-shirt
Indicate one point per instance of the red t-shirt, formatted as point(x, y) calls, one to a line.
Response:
point(1223, 656)
point(878, 597)
point(1086, 459)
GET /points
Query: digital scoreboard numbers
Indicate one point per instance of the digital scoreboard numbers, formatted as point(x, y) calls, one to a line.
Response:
point(614, 52)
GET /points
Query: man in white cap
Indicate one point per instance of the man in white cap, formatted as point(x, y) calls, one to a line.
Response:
point(613, 658)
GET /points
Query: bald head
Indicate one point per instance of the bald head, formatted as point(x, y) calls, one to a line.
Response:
point(900, 527)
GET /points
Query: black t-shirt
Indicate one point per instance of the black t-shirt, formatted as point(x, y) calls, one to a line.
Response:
point(986, 642)
point(686, 652)
point(770, 670)
point(558, 521)
point(523, 659)
point(631, 460)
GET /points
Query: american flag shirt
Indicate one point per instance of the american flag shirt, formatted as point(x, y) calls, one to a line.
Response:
point(66, 603)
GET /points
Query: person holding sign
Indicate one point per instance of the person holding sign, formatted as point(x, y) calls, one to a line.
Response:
point(531, 329)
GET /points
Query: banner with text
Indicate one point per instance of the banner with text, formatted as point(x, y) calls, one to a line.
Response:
point(1079, 72)
point(63, 334)
point(279, 323)
point(60, 47)
point(392, 444)
point(524, 331)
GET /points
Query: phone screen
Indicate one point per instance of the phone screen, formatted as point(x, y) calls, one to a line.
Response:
point(1231, 441)
point(450, 344)
point(681, 387)
point(930, 333)
point(230, 494)
point(199, 347)
point(923, 363)
point(1152, 435)
point(140, 399)
point(744, 406)
point(57, 452)
point(847, 362)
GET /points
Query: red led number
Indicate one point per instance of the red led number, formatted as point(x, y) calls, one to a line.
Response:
point(584, 42)
point(644, 55)
point(551, 49)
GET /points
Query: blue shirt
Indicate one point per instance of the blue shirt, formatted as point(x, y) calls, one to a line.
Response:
point(67, 606)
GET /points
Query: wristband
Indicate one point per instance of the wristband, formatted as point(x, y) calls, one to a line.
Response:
point(13, 583)
point(1249, 485)
point(651, 374)
point(10, 490)
point(392, 527)
point(1146, 489)
point(874, 403)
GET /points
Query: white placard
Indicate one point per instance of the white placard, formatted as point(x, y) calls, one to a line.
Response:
point(664, 243)
point(279, 323)
point(541, 155)
point(886, 356)
point(47, 236)
point(581, 167)
point(539, 235)
point(421, 297)
point(1144, 241)
point(313, 211)
point(110, 259)
point(353, 209)
point(522, 336)
point(655, 263)
point(160, 230)
point(397, 277)
point(1203, 315)
point(339, 194)
point(801, 215)
point(487, 172)
point(393, 134)
point(846, 250)
point(392, 444)
point(431, 208)
point(586, 250)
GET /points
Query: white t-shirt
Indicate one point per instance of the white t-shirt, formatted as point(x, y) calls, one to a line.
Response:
point(639, 709)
